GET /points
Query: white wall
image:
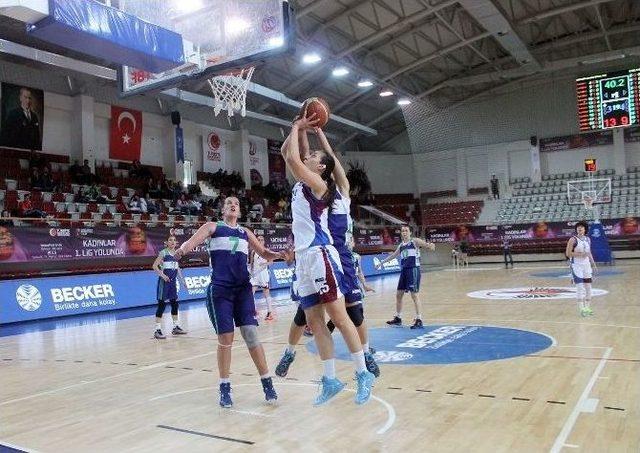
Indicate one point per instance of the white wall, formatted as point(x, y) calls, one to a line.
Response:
point(633, 154)
point(388, 173)
point(573, 159)
point(435, 171)
point(57, 132)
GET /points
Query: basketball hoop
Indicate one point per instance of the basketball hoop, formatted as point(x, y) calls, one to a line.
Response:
point(230, 91)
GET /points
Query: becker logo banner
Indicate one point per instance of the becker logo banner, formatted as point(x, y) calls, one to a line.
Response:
point(125, 141)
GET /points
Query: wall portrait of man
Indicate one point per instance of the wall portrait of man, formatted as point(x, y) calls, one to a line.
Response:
point(21, 116)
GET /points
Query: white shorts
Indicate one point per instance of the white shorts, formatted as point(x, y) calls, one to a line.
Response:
point(261, 279)
point(319, 275)
point(581, 272)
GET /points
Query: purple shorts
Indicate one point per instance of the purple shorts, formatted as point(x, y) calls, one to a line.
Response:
point(230, 307)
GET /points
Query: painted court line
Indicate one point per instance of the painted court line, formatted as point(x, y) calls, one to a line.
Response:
point(115, 376)
point(255, 414)
point(391, 413)
point(211, 436)
point(16, 447)
point(580, 404)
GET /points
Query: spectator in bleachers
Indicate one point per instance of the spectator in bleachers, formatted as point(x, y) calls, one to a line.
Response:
point(27, 210)
point(134, 170)
point(82, 196)
point(134, 204)
point(47, 183)
point(182, 204)
point(152, 206)
point(85, 176)
point(74, 171)
point(21, 128)
point(36, 160)
point(34, 179)
point(94, 194)
point(144, 206)
point(495, 188)
point(257, 211)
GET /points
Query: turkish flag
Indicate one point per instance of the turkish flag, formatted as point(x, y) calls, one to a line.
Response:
point(126, 134)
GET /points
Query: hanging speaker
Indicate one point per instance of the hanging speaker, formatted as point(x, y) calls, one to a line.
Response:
point(534, 140)
point(175, 118)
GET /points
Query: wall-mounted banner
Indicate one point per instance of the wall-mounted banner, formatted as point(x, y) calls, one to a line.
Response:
point(255, 160)
point(539, 230)
point(215, 147)
point(599, 138)
point(277, 167)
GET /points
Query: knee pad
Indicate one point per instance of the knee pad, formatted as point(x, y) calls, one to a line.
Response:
point(160, 310)
point(174, 307)
point(580, 290)
point(587, 287)
point(356, 314)
point(250, 335)
point(300, 319)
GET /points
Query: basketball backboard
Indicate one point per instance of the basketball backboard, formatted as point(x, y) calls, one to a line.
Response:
point(591, 190)
point(217, 35)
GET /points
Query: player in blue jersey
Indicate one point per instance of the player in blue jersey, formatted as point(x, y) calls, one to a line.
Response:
point(230, 300)
point(168, 270)
point(340, 226)
point(319, 274)
point(409, 282)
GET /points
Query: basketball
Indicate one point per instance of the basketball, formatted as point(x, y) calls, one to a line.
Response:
point(318, 106)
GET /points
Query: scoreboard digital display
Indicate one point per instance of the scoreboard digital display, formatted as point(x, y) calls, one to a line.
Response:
point(606, 101)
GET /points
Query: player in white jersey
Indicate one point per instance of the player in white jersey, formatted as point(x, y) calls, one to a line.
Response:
point(259, 270)
point(341, 227)
point(318, 268)
point(583, 266)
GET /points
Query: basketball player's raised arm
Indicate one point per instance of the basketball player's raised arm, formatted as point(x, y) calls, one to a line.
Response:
point(295, 164)
point(338, 174)
point(260, 249)
point(424, 244)
point(203, 233)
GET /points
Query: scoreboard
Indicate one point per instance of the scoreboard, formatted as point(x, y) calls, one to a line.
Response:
point(606, 101)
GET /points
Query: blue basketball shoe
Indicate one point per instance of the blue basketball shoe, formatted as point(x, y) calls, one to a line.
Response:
point(328, 389)
point(365, 381)
point(270, 394)
point(225, 395)
point(283, 367)
point(372, 366)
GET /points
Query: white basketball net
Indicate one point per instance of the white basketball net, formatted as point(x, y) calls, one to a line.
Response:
point(230, 91)
point(587, 200)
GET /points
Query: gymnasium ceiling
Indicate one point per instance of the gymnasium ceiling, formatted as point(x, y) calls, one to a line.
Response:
point(443, 50)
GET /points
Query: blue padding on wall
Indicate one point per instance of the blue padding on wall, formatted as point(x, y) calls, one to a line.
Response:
point(50, 297)
point(95, 29)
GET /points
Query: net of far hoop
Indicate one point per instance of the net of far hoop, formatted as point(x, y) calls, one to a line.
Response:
point(230, 91)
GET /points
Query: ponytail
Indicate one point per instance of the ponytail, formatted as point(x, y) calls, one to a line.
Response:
point(330, 195)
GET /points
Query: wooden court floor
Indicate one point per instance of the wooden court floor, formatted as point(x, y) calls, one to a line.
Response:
point(108, 386)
